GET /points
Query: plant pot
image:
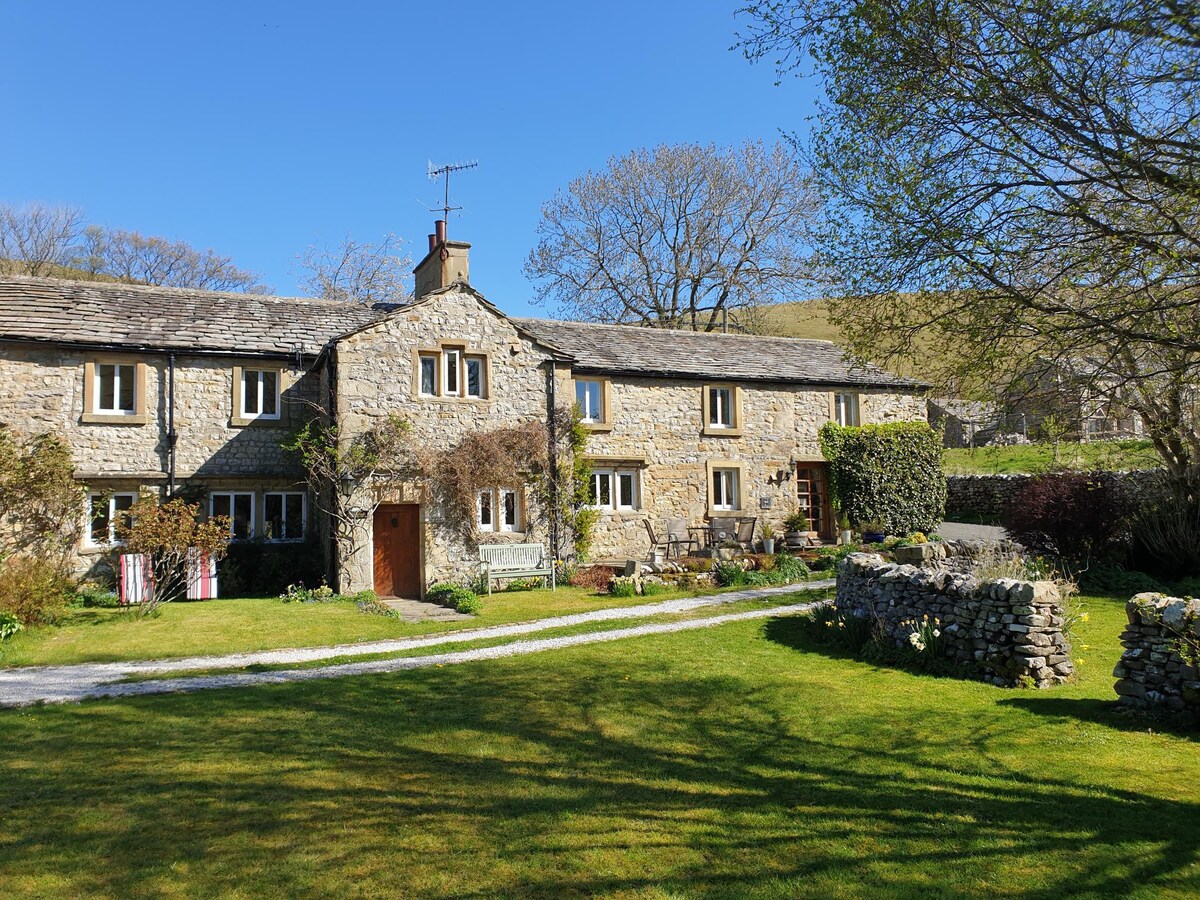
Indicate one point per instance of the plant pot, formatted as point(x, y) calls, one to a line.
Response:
point(873, 537)
point(768, 546)
point(846, 537)
point(794, 539)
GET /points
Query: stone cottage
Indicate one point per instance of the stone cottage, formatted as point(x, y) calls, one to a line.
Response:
point(174, 390)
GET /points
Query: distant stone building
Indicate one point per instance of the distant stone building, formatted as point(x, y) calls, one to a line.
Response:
point(174, 390)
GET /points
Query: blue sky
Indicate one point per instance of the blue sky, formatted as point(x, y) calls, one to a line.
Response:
point(257, 128)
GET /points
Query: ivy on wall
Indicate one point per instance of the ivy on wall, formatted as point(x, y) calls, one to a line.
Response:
point(890, 475)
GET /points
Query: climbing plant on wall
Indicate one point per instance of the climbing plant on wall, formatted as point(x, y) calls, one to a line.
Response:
point(891, 474)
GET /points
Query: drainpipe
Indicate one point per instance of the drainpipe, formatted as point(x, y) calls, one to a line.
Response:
point(552, 429)
point(172, 437)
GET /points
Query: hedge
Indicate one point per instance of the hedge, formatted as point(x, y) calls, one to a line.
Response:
point(887, 473)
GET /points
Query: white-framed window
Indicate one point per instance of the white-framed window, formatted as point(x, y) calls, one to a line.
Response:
point(589, 395)
point(115, 389)
point(725, 489)
point(473, 366)
point(259, 394)
point(618, 489)
point(485, 508)
point(428, 363)
point(238, 506)
point(720, 407)
point(104, 511)
point(845, 409)
point(451, 360)
point(285, 515)
point(498, 509)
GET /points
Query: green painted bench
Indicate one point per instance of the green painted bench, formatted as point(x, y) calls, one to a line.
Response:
point(515, 561)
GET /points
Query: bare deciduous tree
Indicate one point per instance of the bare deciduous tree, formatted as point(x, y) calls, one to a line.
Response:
point(677, 236)
point(358, 272)
point(130, 257)
point(37, 238)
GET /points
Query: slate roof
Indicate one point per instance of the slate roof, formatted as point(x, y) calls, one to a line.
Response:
point(666, 353)
point(99, 313)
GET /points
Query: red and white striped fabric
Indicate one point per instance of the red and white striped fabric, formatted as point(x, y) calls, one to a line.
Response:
point(201, 576)
point(134, 580)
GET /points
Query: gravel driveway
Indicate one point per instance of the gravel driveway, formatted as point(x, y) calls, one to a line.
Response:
point(59, 684)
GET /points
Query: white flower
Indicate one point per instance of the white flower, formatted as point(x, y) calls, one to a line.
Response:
point(937, 632)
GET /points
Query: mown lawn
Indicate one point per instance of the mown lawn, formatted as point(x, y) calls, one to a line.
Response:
point(233, 626)
point(734, 761)
point(1033, 458)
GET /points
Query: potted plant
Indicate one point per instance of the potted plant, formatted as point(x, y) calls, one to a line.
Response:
point(847, 535)
point(874, 531)
point(796, 530)
point(768, 538)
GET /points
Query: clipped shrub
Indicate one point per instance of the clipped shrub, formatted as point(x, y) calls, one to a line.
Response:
point(261, 569)
point(34, 590)
point(468, 603)
point(1075, 516)
point(1107, 578)
point(890, 473)
point(459, 598)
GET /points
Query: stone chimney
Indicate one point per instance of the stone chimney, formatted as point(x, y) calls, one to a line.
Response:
point(445, 263)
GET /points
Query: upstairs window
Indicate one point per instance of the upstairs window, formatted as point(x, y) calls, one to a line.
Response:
point(845, 409)
point(115, 389)
point(238, 507)
point(284, 515)
point(428, 374)
point(450, 366)
point(720, 407)
point(104, 511)
point(260, 394)
point(589, 395)
point(474, 371)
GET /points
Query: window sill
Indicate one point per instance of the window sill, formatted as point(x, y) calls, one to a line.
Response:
point(724, 513)
point(710, 431)
point(596, 426)
point(112, 419)
point(241, 422)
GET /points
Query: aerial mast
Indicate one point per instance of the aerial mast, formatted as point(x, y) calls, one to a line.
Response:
point(436, 172)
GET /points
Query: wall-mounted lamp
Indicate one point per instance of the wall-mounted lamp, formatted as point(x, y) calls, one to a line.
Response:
point(346, 484)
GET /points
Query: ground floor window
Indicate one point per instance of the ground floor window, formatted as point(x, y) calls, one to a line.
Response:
point(238, 506)
point(284, 515)
point(725, 489)
point(498, 509)
point(616, 489)
point(104, 511)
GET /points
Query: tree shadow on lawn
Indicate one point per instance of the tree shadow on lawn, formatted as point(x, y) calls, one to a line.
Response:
point(548, 781)
point(1105, 712)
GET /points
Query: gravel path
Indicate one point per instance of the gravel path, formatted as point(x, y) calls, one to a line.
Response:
point(58, 684)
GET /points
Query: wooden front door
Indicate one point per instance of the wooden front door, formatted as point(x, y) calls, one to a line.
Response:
point(812, 489)
point(397, 543)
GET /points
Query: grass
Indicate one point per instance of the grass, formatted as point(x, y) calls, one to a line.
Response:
point(241, 625)
point(732, 761)
point(1033, 458)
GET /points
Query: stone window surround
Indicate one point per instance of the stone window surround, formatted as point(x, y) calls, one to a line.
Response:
point(606, 423)
point(90, 416)
point(465, 350)
point(284, 381)
point(735, 391)
point(711, 466)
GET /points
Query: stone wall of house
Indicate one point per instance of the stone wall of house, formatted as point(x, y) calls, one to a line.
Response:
point(1008, 632)
point(991, 495)
point(376, 371)
point(657, 427)
point(1160, 668)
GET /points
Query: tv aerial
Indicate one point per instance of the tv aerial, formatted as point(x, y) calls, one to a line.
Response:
point(444, 171)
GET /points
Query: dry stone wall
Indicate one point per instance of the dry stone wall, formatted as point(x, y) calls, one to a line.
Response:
point(991, 495)
point(1159, 668)
point(1005, 631)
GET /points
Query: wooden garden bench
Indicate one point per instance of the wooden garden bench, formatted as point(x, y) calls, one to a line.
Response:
point(515, 561)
